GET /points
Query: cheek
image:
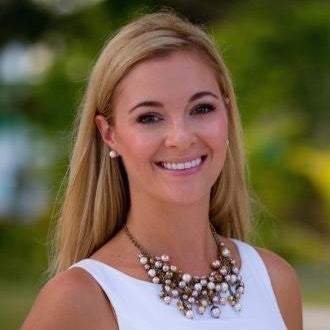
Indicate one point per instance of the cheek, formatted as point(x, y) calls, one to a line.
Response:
point(215, 132)
point(136, 146)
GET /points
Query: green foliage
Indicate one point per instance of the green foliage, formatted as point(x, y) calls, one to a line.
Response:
point(16, 300)
point(23, 251)
point(278, 56)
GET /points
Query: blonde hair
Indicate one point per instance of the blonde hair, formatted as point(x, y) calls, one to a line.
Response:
point(97, 199)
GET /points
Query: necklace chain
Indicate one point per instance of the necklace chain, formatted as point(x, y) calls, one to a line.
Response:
point(221, 286)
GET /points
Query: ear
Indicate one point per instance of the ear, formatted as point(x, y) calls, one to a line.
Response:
point(107, 132)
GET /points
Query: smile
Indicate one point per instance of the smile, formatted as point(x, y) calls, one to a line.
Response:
point(182, 165)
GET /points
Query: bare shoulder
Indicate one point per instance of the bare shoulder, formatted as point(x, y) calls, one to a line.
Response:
point(285, 284)
point(71, 300)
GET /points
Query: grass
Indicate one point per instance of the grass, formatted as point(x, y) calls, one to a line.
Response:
point(315, 284)
point(16, 300)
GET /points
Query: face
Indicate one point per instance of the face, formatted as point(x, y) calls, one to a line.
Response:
point(170, 128)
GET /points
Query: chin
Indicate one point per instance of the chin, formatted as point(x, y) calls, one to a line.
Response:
point(186, 198)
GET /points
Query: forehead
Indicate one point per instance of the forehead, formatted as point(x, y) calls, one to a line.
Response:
point(179, 73)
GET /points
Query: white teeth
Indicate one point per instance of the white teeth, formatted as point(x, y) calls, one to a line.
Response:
point(187, 164)
point(182, 166)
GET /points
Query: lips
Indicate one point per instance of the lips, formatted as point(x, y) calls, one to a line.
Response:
point(184, 165)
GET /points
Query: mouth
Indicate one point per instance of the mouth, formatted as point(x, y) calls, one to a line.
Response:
point(182, 166)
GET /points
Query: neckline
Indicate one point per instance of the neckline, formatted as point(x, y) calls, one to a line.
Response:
point(236, 242)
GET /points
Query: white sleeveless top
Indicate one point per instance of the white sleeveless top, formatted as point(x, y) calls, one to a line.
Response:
point(138, 307)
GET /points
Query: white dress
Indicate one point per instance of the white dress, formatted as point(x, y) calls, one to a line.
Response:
point(138, 307)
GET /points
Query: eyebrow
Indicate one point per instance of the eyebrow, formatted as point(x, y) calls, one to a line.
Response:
point(198, 95)
point(194, 97)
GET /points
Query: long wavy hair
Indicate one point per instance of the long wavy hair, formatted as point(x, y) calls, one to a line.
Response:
point(96, 201)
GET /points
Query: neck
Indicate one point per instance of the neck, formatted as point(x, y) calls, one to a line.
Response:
point(180, 231)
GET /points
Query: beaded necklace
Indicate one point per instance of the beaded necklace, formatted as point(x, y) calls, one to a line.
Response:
point(222, 285)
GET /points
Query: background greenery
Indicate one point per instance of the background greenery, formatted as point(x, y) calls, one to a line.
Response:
point(278, 53)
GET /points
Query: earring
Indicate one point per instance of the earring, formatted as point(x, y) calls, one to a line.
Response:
point(113, 154)
point(227, 143)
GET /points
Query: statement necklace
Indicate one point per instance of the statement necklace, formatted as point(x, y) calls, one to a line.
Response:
point(221, 286)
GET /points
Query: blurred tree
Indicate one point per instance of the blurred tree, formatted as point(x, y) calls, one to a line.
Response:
point(279, 57)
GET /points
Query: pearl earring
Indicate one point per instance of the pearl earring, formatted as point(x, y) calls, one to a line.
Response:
point(113, 154)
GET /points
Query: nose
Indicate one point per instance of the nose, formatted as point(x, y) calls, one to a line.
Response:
point(180, 135)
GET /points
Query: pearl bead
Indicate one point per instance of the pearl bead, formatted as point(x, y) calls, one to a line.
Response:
point(186, 278)
point(173, 268)
point(237, 307)
point(194, 293)
point(203, 282)
point(169, 274)
point(217, 287)
point(167, 288)
point(240, 289)
point(225, 252)
point(155, 280)
point(191, 300)
point(216, 264)
point(167, 299)
point(223, 271)
point(203, 302)
point(198, 286)
point(158, 264)
point(182, 284)
point(222, 300)
point(165, 258)
point(201, 309)
point(215, 311)
point(166, 268)
point(211, 285)
point(235, 270)
point(215, 299)
point(175, 293)
point(143, 260)
point(233, 279)
point(189, 314)
point(224, 286)
point(151, 272)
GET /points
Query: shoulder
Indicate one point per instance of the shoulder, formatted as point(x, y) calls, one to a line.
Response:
point(71, 300)
point(285, 284)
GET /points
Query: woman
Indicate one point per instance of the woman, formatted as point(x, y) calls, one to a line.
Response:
point(156, 208)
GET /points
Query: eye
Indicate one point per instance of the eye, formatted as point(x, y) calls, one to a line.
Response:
point(148, 118)
point(203, 109)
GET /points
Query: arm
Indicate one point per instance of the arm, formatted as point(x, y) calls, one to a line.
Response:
point(286, 287)
point(71, 300)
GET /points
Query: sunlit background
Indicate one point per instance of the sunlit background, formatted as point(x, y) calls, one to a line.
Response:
point(279, 56)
